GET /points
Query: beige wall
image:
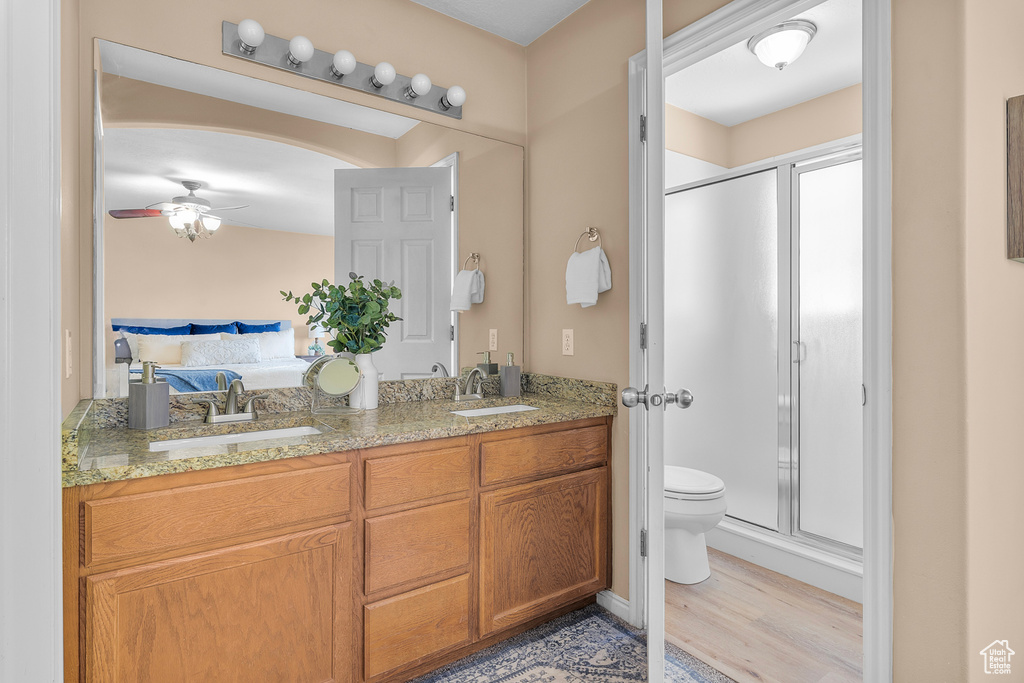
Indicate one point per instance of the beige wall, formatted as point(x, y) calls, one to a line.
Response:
point(823, 119)
point(994, 71)
point(491, 216)
point(237, 273)
point(409, 36)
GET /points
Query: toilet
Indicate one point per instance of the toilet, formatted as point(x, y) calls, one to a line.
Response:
point(694, 505)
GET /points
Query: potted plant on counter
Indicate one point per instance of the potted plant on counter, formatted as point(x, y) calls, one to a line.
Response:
point(357, 317)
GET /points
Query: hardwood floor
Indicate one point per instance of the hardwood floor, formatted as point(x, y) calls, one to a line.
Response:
point(755, 625)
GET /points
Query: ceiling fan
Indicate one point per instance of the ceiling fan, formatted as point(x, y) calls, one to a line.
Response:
point(189, 215)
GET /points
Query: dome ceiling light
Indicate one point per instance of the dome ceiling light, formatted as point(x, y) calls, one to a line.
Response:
point(781, 45)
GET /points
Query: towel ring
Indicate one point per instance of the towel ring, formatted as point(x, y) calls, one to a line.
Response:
point(474, 257)
point(591, 234)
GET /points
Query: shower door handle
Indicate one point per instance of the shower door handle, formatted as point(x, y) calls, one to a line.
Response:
point(632, 397)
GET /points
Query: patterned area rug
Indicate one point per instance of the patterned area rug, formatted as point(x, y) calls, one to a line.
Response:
point(589, 645)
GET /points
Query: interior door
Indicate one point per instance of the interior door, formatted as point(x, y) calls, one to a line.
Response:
point(396, 224)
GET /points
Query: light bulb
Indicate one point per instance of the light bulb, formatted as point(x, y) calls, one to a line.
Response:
point(420, 86)
point(344, 63)
point(383, 74)
point(455, 97)
point(211, 223)
point(179, 219)
point(250, 35)
point(300, 49)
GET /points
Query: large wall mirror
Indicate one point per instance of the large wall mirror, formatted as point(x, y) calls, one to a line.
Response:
point(300, 188)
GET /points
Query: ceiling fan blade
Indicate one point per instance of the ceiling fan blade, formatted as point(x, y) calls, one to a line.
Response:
point(230, 208)
point(165, 206)
point(134, 213)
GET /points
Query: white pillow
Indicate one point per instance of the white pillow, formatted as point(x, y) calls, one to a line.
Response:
point(272, 344)
point(157, 342)
point(220, 352)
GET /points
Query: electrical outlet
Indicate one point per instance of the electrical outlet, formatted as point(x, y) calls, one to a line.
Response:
point(492, 340)
point(67, 354)
point(568, 347)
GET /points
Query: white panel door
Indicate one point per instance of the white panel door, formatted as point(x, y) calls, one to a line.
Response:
point(396, 224)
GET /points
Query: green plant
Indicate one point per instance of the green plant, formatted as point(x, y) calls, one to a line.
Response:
point(357, 315)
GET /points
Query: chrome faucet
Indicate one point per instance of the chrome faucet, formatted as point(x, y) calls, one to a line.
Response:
point(231, 412)
point(231, 402)
point(470, 395)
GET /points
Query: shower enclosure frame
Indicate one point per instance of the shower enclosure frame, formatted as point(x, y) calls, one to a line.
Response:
point(788, 167)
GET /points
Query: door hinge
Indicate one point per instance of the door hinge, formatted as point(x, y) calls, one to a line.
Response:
point(643, 543)
point(643, 335)
point(452, 206)
point(451, 333)
point(643, 127)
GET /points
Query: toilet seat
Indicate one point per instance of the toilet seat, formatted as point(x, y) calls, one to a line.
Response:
point(683, 483)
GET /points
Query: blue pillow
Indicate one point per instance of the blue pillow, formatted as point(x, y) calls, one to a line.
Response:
point(246, 328)
point(229, 328)
point(138, 329)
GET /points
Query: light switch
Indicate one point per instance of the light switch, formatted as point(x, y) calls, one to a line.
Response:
point(568, 347)
point(67, 354)
point(492, 340)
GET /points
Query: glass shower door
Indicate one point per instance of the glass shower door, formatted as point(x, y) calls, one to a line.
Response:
point(721, 337)
point(828, 454)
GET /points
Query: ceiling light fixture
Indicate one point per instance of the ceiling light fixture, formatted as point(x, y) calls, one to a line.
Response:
point(781, 45)
point(299, 56)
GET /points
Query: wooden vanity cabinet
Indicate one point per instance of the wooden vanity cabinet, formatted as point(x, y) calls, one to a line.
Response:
point(374, 565)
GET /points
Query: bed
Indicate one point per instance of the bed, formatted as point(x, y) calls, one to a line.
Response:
point(282, 370)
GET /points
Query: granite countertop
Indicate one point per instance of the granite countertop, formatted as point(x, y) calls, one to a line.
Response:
point(94, 451)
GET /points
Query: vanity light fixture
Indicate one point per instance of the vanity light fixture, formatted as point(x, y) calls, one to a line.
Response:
point(300, 49)
point(383, 74)
point(781, 45)
point(299, 56)
point(250, 35)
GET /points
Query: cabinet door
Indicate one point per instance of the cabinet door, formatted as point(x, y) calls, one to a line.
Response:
point(542, 545)
point(274, 610)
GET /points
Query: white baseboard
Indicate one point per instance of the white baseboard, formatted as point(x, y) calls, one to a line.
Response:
point(818, 568)
point(615, 604)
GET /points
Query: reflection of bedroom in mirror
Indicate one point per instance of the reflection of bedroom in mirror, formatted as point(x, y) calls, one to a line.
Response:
point(216, 191)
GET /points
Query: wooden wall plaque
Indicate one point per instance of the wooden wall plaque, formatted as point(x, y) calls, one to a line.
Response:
point(1015, 178)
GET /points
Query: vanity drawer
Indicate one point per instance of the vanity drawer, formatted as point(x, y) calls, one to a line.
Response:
point(416, 544)
point(410, 626)
point(407, 478)
point(545, 454)
point(154, 523)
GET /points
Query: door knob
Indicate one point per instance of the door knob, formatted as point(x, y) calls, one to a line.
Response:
point(682, 398)
point(631, 397)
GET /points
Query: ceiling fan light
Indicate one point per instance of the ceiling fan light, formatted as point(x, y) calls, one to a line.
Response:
point(211, 223)
point(781, 45)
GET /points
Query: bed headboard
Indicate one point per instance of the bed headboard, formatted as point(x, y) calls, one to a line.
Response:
point(115, 323)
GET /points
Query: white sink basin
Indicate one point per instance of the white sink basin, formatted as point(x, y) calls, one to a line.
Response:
point(480, 412)
point(224, 439)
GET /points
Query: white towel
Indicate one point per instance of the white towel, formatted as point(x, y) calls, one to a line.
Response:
point(587, 275)
point(468, 289)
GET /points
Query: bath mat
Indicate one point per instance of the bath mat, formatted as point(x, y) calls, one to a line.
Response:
point(589, 645)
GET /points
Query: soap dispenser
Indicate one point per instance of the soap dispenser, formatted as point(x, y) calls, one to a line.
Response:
point(149, 400)
point(509, 382)
point(487, 367)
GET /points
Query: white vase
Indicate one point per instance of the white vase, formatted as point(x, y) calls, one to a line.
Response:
point(366, 394)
